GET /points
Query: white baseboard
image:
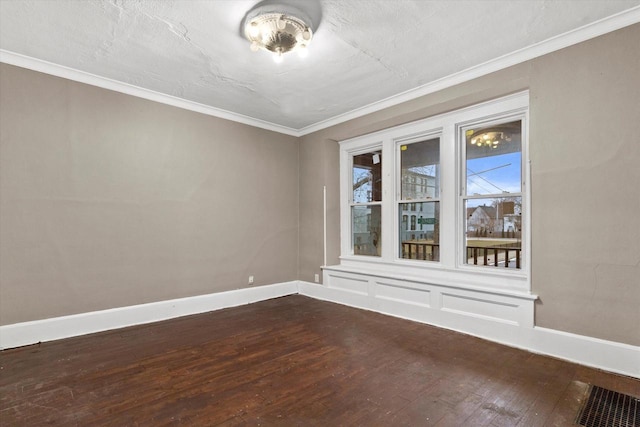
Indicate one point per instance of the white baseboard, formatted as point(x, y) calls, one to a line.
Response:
point(26, 333)
point(515, 332)
point(602, 354)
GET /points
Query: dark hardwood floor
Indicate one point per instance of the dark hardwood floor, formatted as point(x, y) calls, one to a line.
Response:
point(290, 361)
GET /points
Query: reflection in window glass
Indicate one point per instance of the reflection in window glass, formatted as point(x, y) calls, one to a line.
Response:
point(367, 177)
point(421, 242)
point(419, 163)
point(418, 206)
point(365, 210)
point(365, 229)
point(494, 159)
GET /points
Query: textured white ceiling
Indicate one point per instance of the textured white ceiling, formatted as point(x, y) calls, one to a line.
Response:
point(363, 51)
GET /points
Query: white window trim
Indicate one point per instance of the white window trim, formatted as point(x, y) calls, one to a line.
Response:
point(450, 270)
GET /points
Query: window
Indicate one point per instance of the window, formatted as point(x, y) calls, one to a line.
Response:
point(366, 198)
point(455, 203)
point(419, 175)
point(492, 196)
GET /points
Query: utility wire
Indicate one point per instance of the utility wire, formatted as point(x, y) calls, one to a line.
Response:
point(477, 174)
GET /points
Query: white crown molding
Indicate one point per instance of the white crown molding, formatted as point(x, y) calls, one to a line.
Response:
point(578, 35)
point(57, 70)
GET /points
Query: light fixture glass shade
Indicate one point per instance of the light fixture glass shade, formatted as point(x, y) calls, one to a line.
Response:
point(492, 136)
point(280, 31)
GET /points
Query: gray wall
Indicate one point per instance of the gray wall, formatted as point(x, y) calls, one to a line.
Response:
point(585, 163)
point(108, 200)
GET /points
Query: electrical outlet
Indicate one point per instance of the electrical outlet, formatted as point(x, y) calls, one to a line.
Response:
point(316, 278)
point(251, 280)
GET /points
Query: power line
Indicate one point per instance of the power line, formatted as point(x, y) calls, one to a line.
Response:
point(477, 174)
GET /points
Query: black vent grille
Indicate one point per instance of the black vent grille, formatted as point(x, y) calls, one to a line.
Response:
point(606, 408)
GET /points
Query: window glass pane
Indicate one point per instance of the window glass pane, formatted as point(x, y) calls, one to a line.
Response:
point(494, 232)
point(367, 177)
point(420, 234)
point(420, 169)
point(365, 227)
point(494, 159)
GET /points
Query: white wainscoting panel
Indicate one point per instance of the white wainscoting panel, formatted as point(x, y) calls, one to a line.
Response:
point(506, 318)
point(351, 283)
point(481, 308)
point(394, 291)
point(491, 315)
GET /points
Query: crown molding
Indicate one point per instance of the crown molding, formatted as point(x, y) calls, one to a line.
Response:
point(57, 70)
point(578, 35)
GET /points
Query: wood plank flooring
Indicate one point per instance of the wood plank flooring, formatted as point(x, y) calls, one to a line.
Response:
point(290, 361)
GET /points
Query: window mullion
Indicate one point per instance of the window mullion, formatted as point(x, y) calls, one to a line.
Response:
point(388, 199)
point(448, 184)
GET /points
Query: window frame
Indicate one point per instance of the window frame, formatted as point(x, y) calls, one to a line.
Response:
point(518, 115)
point(346, 185)
point(450, 269)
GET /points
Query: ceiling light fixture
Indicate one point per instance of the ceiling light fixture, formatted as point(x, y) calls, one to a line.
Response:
point(493, 136)
point(278, 29)
point(490, 139)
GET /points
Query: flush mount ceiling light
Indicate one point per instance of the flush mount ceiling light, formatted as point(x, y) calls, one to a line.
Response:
point(494, 136)
point(278, 29)
point(490, 139)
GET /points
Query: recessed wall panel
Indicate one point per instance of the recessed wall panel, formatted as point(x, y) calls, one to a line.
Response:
point(500, 311)
point(349, 284)
point(408, 295)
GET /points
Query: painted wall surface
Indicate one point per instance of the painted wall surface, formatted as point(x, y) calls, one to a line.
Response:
point(585, 165)
point(108, 200)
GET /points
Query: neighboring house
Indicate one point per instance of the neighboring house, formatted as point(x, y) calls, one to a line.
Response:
point(482, 221)
point(494, 221)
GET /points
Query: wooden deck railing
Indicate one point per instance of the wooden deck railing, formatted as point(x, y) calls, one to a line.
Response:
point(421, 250)
point(477, 253)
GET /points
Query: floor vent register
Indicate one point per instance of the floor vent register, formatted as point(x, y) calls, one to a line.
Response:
point(606, 408)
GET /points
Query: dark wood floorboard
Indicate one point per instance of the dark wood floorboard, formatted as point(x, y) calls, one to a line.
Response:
point(290, 361)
